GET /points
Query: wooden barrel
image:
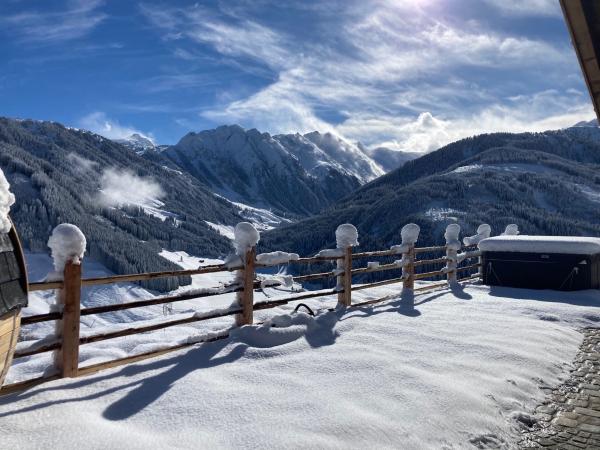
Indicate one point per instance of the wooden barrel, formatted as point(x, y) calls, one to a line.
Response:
point(13, 296)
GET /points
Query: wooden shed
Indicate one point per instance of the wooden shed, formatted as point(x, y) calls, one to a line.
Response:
point(13, 296)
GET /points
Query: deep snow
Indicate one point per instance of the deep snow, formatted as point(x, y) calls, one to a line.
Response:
point(455, 371)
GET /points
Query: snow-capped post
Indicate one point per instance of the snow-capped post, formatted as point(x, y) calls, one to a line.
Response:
point(511, 230)
point(483, 232)
point(410, 235)
point(67, 244)
point(452, 247)
point(346, 237)
point(245, 239)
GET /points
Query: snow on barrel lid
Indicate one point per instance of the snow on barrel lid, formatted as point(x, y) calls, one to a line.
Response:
point(571, 245)
point(6, 201)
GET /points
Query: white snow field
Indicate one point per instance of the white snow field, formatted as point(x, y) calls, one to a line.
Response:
point(460, 369)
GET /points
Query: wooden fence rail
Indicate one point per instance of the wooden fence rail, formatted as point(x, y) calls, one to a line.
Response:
point(68, 338)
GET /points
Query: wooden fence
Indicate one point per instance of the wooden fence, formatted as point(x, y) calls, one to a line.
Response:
point(67, 340)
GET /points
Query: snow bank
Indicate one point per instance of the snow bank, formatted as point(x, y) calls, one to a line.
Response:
point(572, 245)
point(451, 235)
point(483, 232)
point(67, 243)
point(346, 235)
point(245, 237)
point(453, 373)
point(511, 230)
point(410, 235)
point(274, 258)
point(7, 199)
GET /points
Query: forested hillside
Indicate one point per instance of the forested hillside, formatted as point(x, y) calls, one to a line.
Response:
point(547, 183)
point(128, 207)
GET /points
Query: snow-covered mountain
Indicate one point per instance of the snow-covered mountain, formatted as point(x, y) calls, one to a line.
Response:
point(288, 173)
point(130, 207)
point(137, 143)
point(346, 155)
point(547, 183)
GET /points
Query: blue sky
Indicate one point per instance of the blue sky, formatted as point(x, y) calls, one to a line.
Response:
point(407, 74)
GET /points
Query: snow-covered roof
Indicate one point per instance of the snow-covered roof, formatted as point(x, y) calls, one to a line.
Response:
point(572, 245)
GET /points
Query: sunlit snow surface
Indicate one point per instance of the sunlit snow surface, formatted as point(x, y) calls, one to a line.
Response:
point(452, 372)
point(39, 265)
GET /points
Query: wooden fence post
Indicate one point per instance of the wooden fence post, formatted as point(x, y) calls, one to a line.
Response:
point(345, 280)
point(70, 298)
point(346, 237)
point(246, 297)
point(453, 245)
point(408, 270)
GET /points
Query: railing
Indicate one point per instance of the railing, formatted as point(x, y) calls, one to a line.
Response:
point(67, 341)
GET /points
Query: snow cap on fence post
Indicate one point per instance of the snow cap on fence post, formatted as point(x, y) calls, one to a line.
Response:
point(410, 233)
point(452, 247)
point(7, 199)
point(67, 243)
point(451, 236)
point(245, 237)
point(483, 232)
point(346, 235)
point(511, 230)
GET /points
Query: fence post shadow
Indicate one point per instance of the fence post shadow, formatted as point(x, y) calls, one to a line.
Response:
point(152, 388)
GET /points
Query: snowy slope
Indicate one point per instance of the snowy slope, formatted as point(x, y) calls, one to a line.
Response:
point(348, 155)
point(460, 370)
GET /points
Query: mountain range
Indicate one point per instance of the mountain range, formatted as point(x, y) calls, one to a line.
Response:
point(547, 183)
point(133, 201)
point(293, 175)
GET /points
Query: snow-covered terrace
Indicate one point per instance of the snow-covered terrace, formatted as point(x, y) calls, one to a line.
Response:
point(462, 367)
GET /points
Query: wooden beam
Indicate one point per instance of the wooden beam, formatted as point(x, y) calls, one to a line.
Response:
point(408, 271)
point(70, 297)
point(246, 296)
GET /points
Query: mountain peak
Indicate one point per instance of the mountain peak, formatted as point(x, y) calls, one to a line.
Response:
point(590, 123)
point(137, 143)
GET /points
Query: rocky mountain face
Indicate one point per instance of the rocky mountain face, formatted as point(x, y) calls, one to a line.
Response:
point(291, 174)
point(547, 183)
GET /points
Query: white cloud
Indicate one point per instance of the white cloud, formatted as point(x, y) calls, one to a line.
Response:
point(391, 73)
point(99, 123)
point(550, 8)
point(543, 111)
point(78, 19)
point(81, 164)
point(122, 188)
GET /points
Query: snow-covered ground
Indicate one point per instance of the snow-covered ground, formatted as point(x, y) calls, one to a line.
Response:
point(39, 265)
point(459, 370)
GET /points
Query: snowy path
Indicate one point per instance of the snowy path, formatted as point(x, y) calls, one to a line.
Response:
point(457, 371)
